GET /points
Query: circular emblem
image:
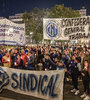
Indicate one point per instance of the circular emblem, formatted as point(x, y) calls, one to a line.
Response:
point(52, 29)
point(4, 79)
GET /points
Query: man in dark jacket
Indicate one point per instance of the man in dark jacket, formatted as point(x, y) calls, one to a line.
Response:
point(49, 64)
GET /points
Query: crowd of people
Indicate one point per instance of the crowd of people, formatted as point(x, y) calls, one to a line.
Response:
point(74, 60)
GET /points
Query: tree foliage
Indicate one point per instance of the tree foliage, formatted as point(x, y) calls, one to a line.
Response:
point(34, 19)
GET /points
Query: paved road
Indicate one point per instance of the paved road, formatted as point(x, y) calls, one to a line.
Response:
point(9, 95)
point(70, 96)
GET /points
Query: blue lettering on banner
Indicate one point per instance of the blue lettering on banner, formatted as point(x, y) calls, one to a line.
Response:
point(53, 87)
point(14, 77)
point(20, 81)
point(50, 84)
point(9, 26)
point(39, 84)
point(33, 84)
point(52, 29)
point(30, 82)
point(44, 79)
point(25, 82)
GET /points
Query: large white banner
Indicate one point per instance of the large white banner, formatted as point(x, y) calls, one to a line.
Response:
point(47, 85)
point(12, 33)
point(66, 28)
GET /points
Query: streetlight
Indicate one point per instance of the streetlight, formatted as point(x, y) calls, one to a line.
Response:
point(31, 33)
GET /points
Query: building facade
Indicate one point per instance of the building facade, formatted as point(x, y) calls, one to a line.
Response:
point(17, 18)
point(1, 17)
point(83, 11)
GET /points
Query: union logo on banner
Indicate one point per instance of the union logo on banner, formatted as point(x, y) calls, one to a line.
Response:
point(4, 79)
point(51, 29)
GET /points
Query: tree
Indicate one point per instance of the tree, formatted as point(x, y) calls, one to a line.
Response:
point(59, 11)
point(34, 19)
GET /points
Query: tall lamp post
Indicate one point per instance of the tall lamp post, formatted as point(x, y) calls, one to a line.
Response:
point(31, 33)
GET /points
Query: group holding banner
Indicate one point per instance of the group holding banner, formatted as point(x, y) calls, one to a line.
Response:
point(42, 84)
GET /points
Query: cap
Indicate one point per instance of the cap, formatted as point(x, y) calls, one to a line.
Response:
point(61, 61)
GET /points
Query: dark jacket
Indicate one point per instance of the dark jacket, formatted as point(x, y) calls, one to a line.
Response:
point(49, 64)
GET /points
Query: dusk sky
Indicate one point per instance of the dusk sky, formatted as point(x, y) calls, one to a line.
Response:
point(11, 7)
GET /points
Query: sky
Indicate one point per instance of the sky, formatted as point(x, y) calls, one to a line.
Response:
point(11, 7)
